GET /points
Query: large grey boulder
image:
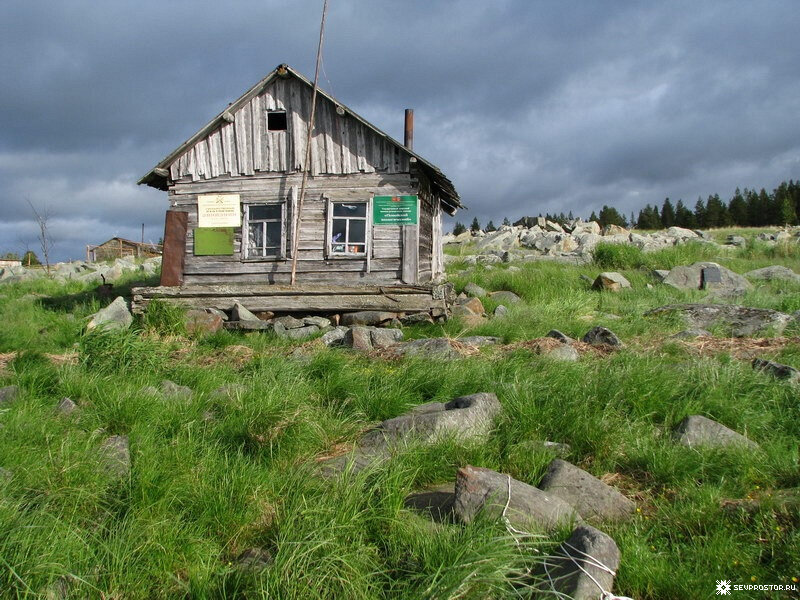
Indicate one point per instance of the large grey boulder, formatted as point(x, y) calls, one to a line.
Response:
point(474, 290)
point(777, 370)
point(682, 234)
point(561, 352)
point(592, 498)
point(586, 562)
point(435, 501)
point(741, 321)
point(505, 297)
point(115, 455)
point(335, 336)
point(385, 337)
point(773, 273)
point(295, 333)
point(288, 322)
point(529, 508)
point(697, 430)
point(241, 313)
point(358, 338)
point(114, 316)
point(708, 276)
point(465, 418)
point(8, 394)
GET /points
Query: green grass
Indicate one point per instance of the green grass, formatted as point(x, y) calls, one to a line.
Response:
point(201, 491)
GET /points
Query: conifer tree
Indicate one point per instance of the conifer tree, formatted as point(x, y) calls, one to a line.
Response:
point(475, 225)
point(667, 214)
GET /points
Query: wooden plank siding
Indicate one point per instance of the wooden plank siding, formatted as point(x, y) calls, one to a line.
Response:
point(341, 145)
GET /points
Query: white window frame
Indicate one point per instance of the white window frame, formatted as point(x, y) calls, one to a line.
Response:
point(246, 250)
point(329, 253)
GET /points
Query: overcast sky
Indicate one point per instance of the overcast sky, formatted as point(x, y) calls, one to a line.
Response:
point(527, 106)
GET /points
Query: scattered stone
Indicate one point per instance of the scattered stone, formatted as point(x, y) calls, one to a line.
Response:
point(200, 322)
point(480, 340)
point(249, 325)
point(116, 456)
point(575, 571)
point(254, 559)
point(335, 337)
point(610, 281)
point(505, 296)
point(592, 498)
point(474, 290)
point(466, 417)
point(242, 314)
point(468, 306)
point(599, 336)
point(740, 320)
point(8, 394)
point(660, 274)
point(697, 430)
point(320, 322)
point(736, 240)
point(66, 407)
point(562, 352)
point(561, 337)
point(114, 316)
point(777, 370)
point(529, 508)
point(557, 448)
point(358, 338)
point(383, 338)
point(709, 276)
point(773, 273)
point(688, 334)
point(367, 317)
point(500, 311)
point(421, 317)
point(288, 322)
point(295, 333)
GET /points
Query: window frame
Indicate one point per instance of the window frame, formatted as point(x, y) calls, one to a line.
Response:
point(282, 111)
point(329, 253)
point(245, 243)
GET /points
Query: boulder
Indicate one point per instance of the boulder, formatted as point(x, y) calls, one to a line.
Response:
point(741, 321)
point(465, 418)
point(529, 508)
point(697, 430)
point(592, 498)
point(610, 281)
point(358, 338)
point(474, 290)
point(254, 559)
point(335, 336)
point(707, 276)
point(777, 370)
point(500, 311)
point(171, 389)
point(114, 316)
point(601, 336)
point(480, 340)
point(320, 322)
point(505, 297)
point(562, 352)
point(499, 240)
point(615, 230)
point(385, 337)
point(296, 333)
point(468, 306)
point(434, 501)
point(115, 456)
point(586, 562)
point(682, 234)
point(200, 322)
point(367, 317)
point(8, 394)
point(736, 240)
point(773, 273)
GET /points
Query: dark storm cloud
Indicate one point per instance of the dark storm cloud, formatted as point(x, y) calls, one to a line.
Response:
point(527, 106)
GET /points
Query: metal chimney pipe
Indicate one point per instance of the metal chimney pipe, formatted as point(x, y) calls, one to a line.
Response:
point(408, 138)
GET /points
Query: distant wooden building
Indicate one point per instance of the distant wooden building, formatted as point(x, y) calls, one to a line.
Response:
point(118, 247)
point(370, 224)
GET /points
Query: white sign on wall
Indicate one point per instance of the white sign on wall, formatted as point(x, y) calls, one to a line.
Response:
point(219, 210)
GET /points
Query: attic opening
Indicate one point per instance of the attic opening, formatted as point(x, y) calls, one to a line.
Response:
point(276, 120)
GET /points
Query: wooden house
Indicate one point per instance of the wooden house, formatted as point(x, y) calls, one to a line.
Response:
point(118, 247)
point(369, 225)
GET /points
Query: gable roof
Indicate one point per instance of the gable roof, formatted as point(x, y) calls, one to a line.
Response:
point(441, 186)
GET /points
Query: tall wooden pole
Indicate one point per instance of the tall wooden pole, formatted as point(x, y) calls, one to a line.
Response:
point(307, 164)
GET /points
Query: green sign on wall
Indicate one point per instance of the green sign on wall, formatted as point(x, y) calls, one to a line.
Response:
point(213, 241)
point(395, 210)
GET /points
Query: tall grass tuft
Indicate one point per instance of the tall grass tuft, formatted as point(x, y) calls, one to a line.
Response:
point(120, 351)
point(164, 318)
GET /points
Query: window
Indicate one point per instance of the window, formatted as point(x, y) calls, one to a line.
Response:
point(348, 228)
point(264, 230)
point(276, 120)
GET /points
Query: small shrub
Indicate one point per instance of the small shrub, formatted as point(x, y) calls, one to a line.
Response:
point(618, 256)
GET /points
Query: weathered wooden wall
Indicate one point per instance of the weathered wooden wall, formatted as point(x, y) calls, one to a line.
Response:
point(340, 144)
point(385, 262)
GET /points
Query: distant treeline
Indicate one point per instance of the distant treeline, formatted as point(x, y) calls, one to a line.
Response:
point(746, 208)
